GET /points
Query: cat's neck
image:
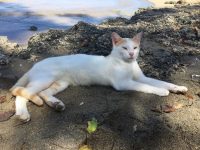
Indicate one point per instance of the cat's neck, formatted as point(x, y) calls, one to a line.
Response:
point(114, 54)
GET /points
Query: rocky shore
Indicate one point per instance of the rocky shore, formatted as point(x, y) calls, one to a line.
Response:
point(178, 29)
point(170, 50)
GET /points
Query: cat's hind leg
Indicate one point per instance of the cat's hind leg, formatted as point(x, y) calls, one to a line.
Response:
point(21, 108)
point(48, 97)
point(30, 91)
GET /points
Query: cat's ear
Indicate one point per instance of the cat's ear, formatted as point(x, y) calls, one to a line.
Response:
point(137, 37)
point(116, 39)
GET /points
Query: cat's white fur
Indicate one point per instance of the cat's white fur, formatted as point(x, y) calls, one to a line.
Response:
point(119, 70)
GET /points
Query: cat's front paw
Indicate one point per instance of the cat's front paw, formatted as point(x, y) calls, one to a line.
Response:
point(56, 104)
point(179, 89)
point(59, 106)
point(162, 92)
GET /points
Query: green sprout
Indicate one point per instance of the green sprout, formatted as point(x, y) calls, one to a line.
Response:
point(92, 126)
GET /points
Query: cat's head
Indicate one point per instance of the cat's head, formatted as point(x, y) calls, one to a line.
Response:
point(126, 49)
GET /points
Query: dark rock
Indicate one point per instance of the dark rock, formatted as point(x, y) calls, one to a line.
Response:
point(33, 28)
point(181, 2)
point(170, 2)
point(168, 26)
point(198, 94)
point(116, 21)
point(4, 60)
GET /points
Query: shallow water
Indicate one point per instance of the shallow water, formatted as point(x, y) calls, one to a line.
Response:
point(17, 16)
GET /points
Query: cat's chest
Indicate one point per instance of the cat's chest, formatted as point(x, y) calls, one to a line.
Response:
point(123, 71)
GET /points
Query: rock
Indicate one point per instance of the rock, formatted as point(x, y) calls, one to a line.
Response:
point(141, 53)
point(33, 28)
point(181, 2)
point(5, 43)
point(5, 115)
point(7, 47)
point(198, 94)
point(170, 2)
point(176, 28)
point(197, 32)
point(3, 39)
point(4, 60)
point(116, 21)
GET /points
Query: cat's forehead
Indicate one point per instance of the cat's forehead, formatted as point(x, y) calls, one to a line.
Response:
point(128, 42)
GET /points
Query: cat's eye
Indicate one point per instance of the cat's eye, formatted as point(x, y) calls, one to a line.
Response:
point(125, 48)
point(134, 47)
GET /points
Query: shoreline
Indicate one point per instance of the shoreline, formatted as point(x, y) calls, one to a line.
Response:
point(58, 15)
point(171, 3)
point(20, 33)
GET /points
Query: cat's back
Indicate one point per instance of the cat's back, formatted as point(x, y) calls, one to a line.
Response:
point(69, 61)
point(79, 69)
point(75, 59)
point(82, 58)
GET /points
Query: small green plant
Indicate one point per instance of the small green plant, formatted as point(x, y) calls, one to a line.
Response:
point(92, 126)
point(85, 147)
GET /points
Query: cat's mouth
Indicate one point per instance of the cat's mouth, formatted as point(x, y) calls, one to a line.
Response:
point(131, 57)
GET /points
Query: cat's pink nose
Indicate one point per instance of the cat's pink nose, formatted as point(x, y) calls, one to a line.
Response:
point(131, 54)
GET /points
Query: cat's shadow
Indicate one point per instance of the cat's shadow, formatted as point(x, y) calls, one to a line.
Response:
point(118, 113)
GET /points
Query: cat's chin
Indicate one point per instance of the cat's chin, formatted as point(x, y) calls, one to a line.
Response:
point(130, 60)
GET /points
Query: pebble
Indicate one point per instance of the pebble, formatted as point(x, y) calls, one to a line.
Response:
point(33, 28)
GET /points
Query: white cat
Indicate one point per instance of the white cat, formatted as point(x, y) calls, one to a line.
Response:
point(119, 70)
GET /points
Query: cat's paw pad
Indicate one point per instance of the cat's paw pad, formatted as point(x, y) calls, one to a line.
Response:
point(163, 92)
point(179, 89)
point(59, 106)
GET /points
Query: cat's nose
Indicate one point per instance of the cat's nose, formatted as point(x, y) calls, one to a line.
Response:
point(131, 54)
